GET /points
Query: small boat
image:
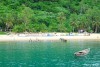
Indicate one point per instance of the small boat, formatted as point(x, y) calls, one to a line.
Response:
point(82, 52)
point(64, 40)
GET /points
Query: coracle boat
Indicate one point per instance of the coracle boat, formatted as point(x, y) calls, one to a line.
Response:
point(82, 52)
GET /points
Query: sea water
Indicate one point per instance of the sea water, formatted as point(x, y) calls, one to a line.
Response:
point(49, 54)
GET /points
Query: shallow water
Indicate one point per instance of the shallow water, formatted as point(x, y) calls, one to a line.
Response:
point(49, 54)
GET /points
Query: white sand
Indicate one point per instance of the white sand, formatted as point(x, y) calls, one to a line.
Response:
point(23, 37)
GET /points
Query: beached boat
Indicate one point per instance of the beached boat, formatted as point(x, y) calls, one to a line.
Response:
point(64, 40)
point(82, 52)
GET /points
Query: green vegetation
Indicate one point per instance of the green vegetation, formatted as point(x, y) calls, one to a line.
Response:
point(1, 33)
point(50, 15)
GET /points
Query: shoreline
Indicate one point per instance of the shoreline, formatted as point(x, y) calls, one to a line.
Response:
point(14, 37)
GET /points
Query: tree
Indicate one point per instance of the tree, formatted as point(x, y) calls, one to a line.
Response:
point(25, 15)
point(61, 19)
point(74, 21)
point(94, 18)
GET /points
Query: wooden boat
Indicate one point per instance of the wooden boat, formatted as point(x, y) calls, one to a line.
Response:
point(82, 52)
point(62, 39)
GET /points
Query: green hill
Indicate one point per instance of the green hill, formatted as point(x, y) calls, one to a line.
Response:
point(50, 15)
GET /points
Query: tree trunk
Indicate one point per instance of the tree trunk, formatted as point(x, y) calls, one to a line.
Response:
point(73, 29)
point(96, 29)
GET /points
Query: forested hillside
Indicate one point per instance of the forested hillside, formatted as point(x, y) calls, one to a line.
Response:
point(49, 15)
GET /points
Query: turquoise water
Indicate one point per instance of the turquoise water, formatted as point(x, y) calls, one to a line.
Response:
point(49, 54)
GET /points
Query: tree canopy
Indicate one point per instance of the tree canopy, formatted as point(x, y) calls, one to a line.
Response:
point(50, 15)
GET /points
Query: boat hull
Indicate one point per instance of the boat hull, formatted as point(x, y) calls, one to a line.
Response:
point(82, 52)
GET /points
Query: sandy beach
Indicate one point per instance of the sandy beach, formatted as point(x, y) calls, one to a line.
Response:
point(46, 37)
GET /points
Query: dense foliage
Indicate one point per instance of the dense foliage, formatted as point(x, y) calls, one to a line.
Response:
point(49, 15)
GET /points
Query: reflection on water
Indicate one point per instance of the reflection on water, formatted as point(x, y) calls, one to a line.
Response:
point(49, 54)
